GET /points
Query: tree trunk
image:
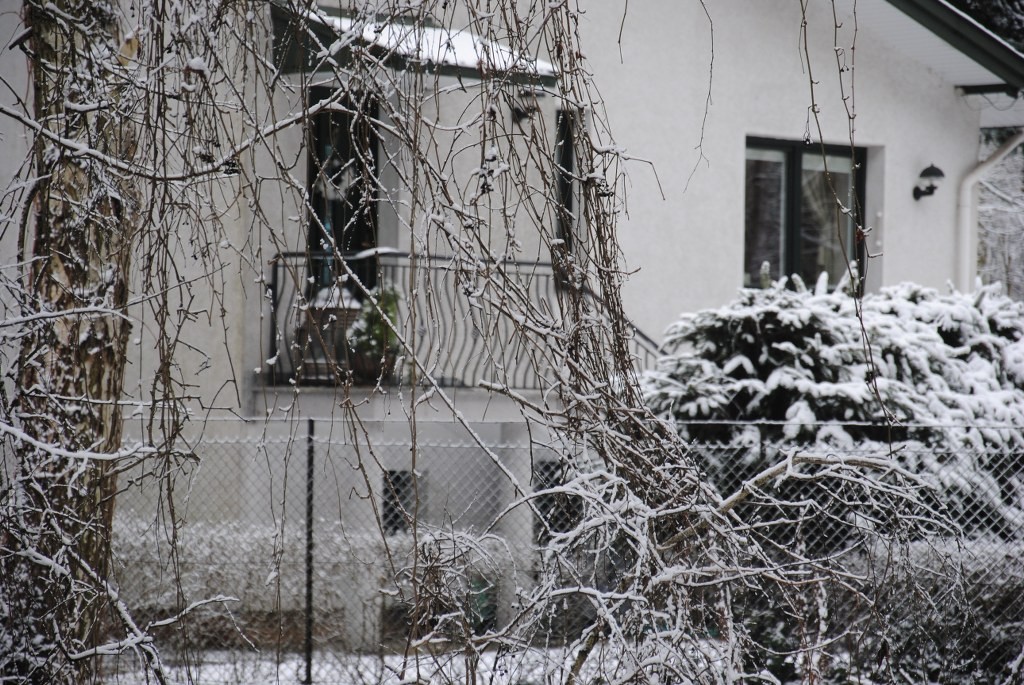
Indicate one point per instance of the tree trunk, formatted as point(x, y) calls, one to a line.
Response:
point(57, 550)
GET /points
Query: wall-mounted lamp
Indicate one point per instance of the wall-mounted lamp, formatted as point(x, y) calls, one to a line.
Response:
point(928, 181)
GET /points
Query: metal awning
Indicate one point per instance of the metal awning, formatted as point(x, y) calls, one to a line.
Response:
point(321, 39)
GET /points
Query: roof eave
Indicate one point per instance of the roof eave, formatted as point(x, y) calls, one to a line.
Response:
point(533, 73)
point(969, 37)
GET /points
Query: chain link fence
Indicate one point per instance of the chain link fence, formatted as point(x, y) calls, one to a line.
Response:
point(951, 602)
point(293, 559)
point(306, 543)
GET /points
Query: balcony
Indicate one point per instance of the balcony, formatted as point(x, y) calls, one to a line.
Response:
point(316, 331)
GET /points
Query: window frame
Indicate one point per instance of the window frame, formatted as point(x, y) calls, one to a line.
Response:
point(366, 155)
point(792, 233)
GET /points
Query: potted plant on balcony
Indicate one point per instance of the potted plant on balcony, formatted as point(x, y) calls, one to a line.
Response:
point(373, 345)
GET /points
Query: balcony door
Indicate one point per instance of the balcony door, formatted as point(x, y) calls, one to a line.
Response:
point(342, 179)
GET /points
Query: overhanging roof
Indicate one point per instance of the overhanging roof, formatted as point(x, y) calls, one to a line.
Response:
point(965, 34)
point(322, 36)
point(952, 44)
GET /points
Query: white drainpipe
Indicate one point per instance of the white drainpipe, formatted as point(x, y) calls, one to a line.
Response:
point(967, 258)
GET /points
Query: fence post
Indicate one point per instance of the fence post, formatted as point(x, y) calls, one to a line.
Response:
point(309, 555)
point(275, 370)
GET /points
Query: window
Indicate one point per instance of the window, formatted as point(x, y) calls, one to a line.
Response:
point(565, 167)
point(397, 502)
point(792, 221)
point(343, 186)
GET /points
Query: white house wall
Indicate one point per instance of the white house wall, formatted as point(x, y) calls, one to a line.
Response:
point(15, 141)
point(688, 247)
point(456, 111)
point(14, 138)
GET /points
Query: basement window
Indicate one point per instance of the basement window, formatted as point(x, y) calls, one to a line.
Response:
point(558, 511)
point(398, 501)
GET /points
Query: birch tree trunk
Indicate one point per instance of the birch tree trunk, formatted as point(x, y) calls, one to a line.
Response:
point(72, 359)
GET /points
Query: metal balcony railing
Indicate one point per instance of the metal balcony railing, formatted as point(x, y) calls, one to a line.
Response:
point(322, 334)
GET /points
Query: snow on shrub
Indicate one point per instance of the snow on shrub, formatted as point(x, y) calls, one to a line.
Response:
point(259, 574)
point(948, 370)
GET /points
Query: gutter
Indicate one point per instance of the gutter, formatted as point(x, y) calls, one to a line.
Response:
point(967, 258)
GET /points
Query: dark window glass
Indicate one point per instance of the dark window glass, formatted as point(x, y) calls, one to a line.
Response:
point(764, 217)
point(565, 166)
point(343, 187)
point(824, 229)
point(793, 224)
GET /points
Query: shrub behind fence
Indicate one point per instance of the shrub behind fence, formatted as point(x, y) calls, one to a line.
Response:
point(310, 547)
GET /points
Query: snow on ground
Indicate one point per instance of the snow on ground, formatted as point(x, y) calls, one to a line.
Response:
point(532, 667)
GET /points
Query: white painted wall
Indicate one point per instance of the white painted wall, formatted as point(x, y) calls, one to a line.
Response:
point(688, 247)
point(14, 138)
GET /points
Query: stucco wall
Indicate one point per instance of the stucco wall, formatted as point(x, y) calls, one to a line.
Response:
point(14, 138)
point(688, 247)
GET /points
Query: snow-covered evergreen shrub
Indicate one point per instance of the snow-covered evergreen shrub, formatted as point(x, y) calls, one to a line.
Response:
point(787, 368)
point(939, 392)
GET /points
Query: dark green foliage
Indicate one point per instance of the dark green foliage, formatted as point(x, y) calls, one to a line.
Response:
point(941, 387)
point(372, 341)
point(373, 332)
point(947, 369)
point(934, 385)
point(1005, 18)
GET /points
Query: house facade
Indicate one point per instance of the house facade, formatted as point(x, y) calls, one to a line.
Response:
point(742, 128)
point(717, 95)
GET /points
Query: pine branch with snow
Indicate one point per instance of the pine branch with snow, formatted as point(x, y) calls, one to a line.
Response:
point(789, 367)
